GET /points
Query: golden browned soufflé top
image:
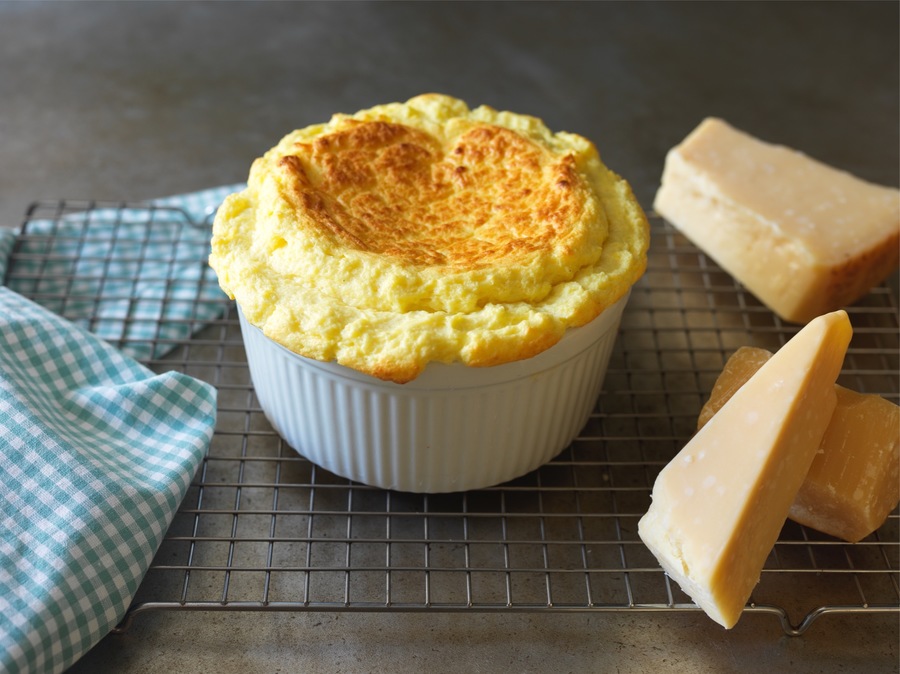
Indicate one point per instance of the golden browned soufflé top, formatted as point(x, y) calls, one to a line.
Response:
point(425, 231)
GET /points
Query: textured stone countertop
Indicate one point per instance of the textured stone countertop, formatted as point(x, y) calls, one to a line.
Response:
point(137, 100)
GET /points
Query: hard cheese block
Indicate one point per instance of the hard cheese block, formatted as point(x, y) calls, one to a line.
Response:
point(854, 481)
point(803, 237)
point(719, 505)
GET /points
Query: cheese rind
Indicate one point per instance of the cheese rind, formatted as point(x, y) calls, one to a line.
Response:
point(742, 365)
point(718, 507)
point(803, 237)
point(853, 483)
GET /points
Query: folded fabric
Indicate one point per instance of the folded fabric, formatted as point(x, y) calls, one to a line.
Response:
point(96, 455)
point(136, 276)
point(7, 239)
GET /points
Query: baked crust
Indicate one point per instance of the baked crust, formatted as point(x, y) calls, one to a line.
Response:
point(424, 231)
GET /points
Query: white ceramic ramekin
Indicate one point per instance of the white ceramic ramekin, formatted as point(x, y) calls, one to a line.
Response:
point(454, 428)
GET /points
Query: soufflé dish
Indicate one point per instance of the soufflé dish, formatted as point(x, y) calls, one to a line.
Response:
point(429, 294)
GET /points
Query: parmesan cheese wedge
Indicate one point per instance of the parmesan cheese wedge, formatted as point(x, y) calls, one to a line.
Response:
point(718, 507)
point(803, 237)
point(854, 481)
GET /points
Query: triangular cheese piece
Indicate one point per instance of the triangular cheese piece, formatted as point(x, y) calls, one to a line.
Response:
point(719, 505)
point(853, 483)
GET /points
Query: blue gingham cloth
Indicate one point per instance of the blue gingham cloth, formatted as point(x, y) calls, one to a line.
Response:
point(7, 239)
point(135, 276)
point(97, 455)
point(96, 451)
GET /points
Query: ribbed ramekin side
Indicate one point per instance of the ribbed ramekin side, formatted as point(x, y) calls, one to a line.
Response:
point(431, 440)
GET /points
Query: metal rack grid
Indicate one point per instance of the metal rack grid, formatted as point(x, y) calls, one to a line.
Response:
point(262, 528)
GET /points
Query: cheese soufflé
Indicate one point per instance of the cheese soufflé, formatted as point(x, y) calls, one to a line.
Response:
point(427, 231)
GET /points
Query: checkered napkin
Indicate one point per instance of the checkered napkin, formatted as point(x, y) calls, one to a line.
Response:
point(96, 451)
point(136, 276)
point(97, 455)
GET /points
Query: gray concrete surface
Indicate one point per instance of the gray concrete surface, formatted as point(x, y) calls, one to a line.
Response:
point(144, 99)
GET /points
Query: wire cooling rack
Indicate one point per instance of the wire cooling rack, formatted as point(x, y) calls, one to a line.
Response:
point(263, 529)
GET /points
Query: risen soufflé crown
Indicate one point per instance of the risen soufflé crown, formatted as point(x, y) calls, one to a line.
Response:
point(425, 231)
